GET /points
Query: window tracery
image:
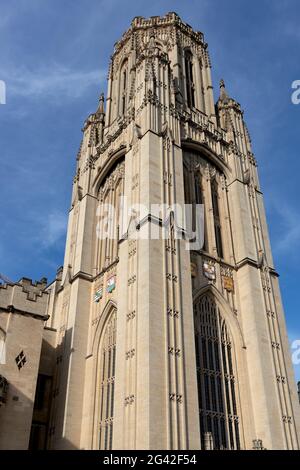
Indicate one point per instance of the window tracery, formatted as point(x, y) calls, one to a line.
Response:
point(107, 357)
point(218, 408)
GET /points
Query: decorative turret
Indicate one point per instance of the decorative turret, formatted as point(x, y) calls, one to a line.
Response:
point(225, 99)
point(100, 111)
point(100, 119)
point(223, 93)
point(231, 118)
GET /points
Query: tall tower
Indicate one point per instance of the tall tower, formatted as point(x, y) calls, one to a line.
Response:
point(159, 346)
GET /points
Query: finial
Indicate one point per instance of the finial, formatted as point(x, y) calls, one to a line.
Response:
point(101, 104)
point(223, 93)
point(100, 109)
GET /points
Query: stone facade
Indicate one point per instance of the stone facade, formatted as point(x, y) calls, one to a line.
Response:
point(23, 311)
point(150, 345)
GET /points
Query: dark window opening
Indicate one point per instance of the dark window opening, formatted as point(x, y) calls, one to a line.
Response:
point(41, 413)
point(190, 86)
point(123, 89)
point(40, 392)
point(216, 216)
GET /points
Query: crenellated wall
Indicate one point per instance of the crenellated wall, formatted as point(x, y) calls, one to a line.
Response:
point(23, 311)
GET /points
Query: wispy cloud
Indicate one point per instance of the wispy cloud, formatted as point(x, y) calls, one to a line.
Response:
point(53, 229)
point(294, 338)
point(4, 20)
point(291, 29)
point(53, 81)
point(290, 234)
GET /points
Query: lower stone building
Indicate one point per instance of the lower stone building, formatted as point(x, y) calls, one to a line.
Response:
point(23, 336)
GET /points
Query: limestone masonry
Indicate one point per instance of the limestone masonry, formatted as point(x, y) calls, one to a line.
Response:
point(139, 342)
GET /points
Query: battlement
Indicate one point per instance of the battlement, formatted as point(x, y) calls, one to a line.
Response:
point(25, 297)
point(170, 19)
point(31, 286)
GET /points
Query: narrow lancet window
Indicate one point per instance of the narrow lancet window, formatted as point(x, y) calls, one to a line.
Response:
point(216, 216)
point(189, 80)
point(198, 189)
point(123, 88)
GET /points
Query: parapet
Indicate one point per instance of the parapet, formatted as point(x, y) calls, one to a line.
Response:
point(170, 19)
point(25, 297)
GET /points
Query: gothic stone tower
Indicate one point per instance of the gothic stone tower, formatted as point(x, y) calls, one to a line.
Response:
point(160, 347)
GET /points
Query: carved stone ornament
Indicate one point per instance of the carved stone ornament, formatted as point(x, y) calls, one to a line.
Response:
point(228, 283)
point(209, 271)
point(111, 284)
point(98, 294)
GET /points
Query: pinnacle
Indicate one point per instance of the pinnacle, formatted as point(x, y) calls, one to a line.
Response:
point(223, 93)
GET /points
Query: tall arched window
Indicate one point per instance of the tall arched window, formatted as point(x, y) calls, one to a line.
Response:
point(216, 215)
point(198, 189)
point(2, 347)
point(108, 212)
point(193, 194)
point(189, 79)
point(107, 382)
point(215, 375)
point(123, 87)
point(199, 199)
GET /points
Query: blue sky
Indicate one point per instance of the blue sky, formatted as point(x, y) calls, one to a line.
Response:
point(54, 58)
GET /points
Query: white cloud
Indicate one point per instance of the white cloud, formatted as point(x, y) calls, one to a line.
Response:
point(290, 239)
point(53, 229)
point(290, 28)
point(5, 19)
point(294, 339)
point(56, 81)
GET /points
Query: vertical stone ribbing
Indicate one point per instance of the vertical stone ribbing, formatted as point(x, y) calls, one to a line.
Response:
point(151, 138)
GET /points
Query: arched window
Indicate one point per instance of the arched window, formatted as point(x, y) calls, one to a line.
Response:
point(108, 215)
point(199, 199)
point(197, 196)
point(193, 194)
point(215, 376)
point(189, 79)
point(186, 183)
point(216, 215)
point(107, 357)
point(2, 347)
point(198, 189)
point(123, 87)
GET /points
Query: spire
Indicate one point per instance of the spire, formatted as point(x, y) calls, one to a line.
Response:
point(223, 93)
point(100, 111)
point(100, 117)
point(226, 100)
